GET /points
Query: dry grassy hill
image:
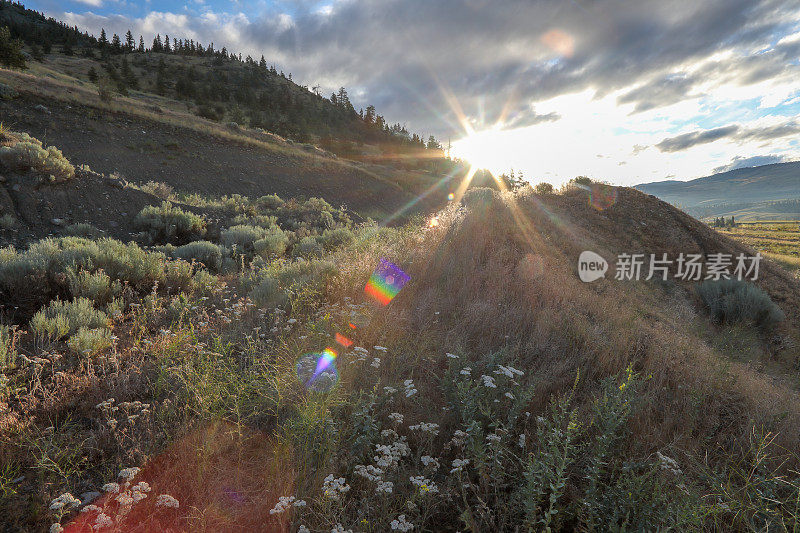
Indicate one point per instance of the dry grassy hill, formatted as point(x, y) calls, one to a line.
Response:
point(496, 391)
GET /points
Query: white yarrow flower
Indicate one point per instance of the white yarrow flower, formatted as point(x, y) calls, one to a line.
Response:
point(129, 473)
point(458, 465)
point(282, 504)
point(426, 427)
point(488, 381)
point(111, 487)
point(429, 462)
point(396, 417)
point(66, 500)
point(165, 500)
point(384, 486)
point(401, 524)
point(102, 520)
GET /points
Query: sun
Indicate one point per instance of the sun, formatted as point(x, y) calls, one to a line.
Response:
point(484, 149)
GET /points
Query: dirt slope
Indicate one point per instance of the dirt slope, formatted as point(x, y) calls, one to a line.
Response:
point(142, 150)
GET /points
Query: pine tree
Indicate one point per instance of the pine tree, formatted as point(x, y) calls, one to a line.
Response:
point(128, 76)
point(161, 77)
point(343, 100)
point(129, 41)
point(157, 43)
point(66, 49)
point(36, 53)
point(167, 48)
point(10, 50)
point(141, 44)
point(369, 116)
point(116, 44)
point(263, 63)
point(92, 75)
point(103, 40)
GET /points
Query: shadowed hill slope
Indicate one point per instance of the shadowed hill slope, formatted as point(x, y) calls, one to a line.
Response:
point(197, 156)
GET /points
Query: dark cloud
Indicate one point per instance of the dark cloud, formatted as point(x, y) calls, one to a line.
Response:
point(406, 56)
point(687, 140)
point(530, 117)
point(745, 162)
point(769, 133)
point(733, 132)
point(662, 91)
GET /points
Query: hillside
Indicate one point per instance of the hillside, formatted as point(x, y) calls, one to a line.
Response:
point(228, 304)
point(214, 84)
point(148, 130)
point(768, 192)
point(496, 388)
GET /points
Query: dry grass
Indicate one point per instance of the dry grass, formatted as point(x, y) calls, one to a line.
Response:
point(231, 428)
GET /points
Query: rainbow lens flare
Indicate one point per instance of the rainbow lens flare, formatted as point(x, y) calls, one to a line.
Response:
point(318, 371)
point(326, 359)
point(386, 282)
point(602, 196)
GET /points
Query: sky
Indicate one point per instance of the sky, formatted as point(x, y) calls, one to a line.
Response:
point(621, 91)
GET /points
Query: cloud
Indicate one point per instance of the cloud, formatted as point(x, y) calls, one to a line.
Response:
point(688, 140)
point(661, 91)
point(93, 3)
point(746, 162)
point(733, 132)
point(404, 53)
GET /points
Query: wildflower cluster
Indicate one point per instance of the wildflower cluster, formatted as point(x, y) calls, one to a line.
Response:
point(334, 487)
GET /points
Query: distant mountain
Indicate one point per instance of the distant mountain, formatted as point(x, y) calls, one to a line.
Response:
point(763, 192)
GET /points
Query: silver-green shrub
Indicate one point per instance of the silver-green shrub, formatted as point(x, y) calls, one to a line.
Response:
point(27, 153)
point(62, 318)
point(89, 341)
point(84, 230)
point(170, 224)
point(308, 247)
point(205, 252)
point(242, 237)
point(731, 301)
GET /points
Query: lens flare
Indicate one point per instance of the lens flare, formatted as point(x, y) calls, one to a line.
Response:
point(559, 42)
point(317, 372)
point(386, 282)
point(344, 341)
point(602, 196)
